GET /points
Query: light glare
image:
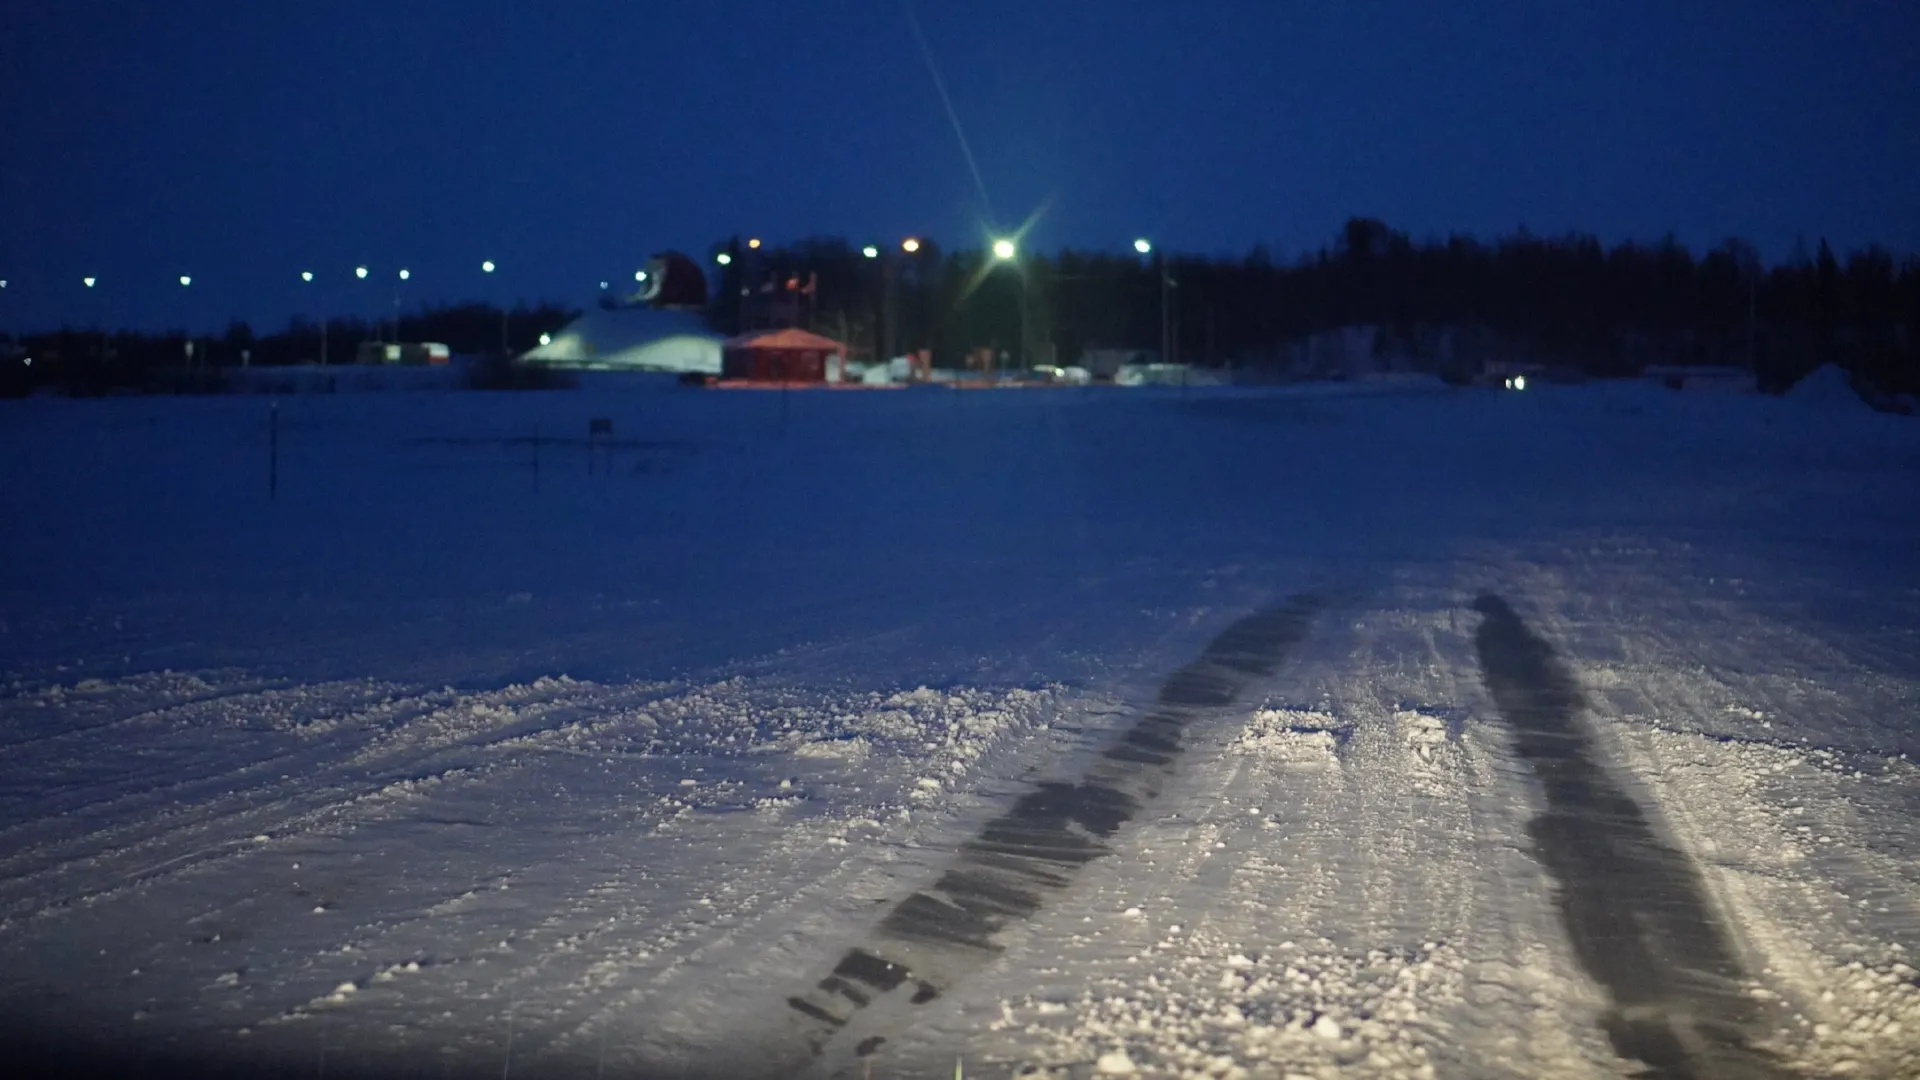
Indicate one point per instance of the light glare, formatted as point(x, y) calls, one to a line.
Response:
point(1003, 249)
point(1519, 382)
point(1143, 245)
point(185, 280)
point(88, 282)
point(910, 245)
point(487, 266)
point(360, 272)
point(754, 243)
point(870, 251)
point(405, 274)
point(546, 339)
point(306, 275)
point(723, 258)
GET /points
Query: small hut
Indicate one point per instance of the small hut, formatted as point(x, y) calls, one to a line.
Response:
point(782, 356)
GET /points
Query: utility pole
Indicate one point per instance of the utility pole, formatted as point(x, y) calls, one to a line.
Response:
point(886, 307)
point(1026, 357)
point(1166, 336)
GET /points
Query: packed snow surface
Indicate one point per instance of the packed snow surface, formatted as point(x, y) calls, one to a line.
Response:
point(1077, 732)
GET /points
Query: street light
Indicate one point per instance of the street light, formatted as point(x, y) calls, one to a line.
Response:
point(360, 272)
point(486, 266)
point(1145, 247)
point(870, 251)
point(603, 285)
point(723, 258)
point(639, 275)
point(1004, 249)
point(546, 339)
point(307, 276)
point(88, 282)
point(185, 281)
point(754, 243)
point(910, 245)
point(404, 275)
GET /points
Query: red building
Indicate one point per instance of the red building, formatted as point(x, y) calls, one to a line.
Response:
point(782, 356)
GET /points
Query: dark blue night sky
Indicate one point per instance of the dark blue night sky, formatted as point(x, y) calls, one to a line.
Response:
point(242, 142)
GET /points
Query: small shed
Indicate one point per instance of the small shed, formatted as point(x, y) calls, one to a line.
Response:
point(782, 356)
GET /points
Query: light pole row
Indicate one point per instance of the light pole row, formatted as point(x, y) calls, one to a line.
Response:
point(1005, 249)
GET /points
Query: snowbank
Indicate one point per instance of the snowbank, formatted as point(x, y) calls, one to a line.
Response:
point(1826, 385)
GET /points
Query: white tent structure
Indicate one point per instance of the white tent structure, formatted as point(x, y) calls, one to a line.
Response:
point(633, 339)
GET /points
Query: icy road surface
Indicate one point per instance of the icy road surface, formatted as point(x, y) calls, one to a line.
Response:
point(1072, 733)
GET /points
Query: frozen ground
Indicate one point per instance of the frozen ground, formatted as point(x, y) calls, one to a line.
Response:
point(1067, 733)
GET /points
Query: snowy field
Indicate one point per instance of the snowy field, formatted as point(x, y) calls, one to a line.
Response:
point(1565, 733)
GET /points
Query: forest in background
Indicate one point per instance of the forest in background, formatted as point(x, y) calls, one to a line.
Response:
point(1445, 305)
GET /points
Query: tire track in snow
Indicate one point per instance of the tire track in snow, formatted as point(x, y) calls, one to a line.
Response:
point(779, 897)
point(1028, 856)
point(1331, 890)
point(59, 698)
point(168, 786)
point(335, 752)
point(339, 777)
point(636, 939)
point(1634, 907)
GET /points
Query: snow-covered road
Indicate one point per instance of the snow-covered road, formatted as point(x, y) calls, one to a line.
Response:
point(1061, 734)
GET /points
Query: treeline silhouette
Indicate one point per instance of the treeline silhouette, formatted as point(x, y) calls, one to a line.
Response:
point(99, 362)
point(1448, 306)
point(1442, 305)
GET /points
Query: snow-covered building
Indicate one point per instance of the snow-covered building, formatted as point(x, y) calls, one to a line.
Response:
point(633, 339)
point(661, 327)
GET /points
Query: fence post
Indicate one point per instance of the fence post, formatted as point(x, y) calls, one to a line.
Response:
point(599, 428)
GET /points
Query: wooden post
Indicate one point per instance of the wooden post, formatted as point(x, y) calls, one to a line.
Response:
point(273, 451)
point(598, 427)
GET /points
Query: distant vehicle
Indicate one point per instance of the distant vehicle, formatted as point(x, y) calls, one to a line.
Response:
point(409, 352)
point(1054, 374)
